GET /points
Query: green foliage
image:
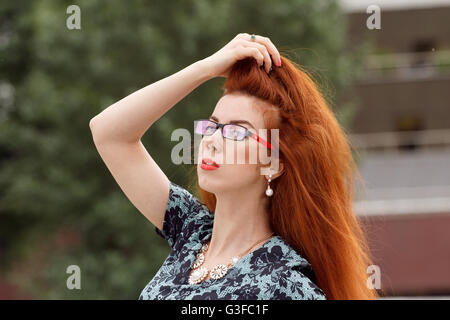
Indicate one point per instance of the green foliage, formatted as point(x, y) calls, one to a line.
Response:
point(53, 182)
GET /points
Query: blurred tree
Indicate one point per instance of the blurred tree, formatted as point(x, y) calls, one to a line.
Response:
point(59, 204)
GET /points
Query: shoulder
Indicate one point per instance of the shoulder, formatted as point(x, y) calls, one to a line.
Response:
point(291, 273)
point(295, 285)
point(184, 200)
point(185, 217)
point(186, 205)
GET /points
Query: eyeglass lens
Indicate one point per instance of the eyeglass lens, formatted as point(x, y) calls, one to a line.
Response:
point(230, 131)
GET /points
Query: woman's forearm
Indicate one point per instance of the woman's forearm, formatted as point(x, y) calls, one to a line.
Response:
point(128, 119)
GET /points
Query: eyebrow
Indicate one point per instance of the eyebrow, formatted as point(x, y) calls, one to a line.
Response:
point(233, 121)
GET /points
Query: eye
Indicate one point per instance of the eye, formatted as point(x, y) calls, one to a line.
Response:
point(210, 128)
point(234, 132)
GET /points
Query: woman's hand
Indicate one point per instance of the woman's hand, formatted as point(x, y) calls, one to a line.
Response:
point(241, 47)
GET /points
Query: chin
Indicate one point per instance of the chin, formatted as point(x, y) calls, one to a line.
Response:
point(209, 184)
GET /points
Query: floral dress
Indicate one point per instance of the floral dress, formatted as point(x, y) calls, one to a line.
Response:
point(273, 271)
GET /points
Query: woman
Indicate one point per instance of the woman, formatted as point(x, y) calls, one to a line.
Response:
point(289, 233)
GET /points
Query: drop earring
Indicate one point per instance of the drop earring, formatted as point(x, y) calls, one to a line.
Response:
point(269, 191)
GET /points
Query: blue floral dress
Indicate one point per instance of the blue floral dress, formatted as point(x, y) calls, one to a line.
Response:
point(273, 271)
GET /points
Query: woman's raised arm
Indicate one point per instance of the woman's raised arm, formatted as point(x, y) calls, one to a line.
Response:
point(117, 133)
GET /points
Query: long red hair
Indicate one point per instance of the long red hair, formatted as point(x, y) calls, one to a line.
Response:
point(311, 207)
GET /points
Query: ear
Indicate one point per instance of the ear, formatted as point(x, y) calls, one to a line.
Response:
point(278, 173)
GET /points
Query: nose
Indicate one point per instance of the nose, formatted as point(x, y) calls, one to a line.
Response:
point(215, 140)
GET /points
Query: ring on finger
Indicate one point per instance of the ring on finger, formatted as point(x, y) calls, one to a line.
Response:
point(253, 37)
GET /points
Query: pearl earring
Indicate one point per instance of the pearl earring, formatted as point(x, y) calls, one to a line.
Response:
point(269, 191)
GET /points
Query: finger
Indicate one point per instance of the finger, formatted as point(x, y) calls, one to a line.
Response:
point(243, 35)
point(276, 57)
point(243, 52)
point(263, 50)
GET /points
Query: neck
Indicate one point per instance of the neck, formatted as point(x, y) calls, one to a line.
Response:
point(239, 222)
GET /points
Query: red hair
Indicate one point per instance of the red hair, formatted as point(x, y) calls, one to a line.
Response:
point(311, 207)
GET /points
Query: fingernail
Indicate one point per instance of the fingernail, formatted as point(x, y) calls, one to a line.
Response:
point(262, 64)
point(270, 70)
point(279, 64)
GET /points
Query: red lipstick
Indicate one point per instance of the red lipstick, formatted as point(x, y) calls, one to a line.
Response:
point(209, 164)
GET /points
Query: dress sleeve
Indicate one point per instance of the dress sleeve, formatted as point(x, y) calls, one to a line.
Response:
point(184, 215)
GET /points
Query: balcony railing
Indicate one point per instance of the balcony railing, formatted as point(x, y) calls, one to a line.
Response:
point(423, 139)
point(408, 65)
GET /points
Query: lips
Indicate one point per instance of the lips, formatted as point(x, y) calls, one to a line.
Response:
point(209, 161)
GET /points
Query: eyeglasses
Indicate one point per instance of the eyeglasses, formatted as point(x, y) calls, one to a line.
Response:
point(230, 131)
